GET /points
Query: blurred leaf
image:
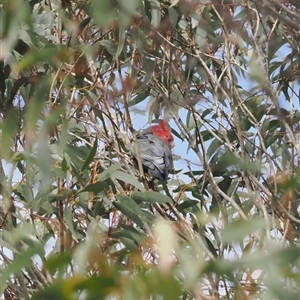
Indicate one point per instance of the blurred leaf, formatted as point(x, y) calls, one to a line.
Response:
point(187, 204)
point(102, 11)
point(211, 247)
point(200, 37)
point(122, 37)
point(18, 83)
point(20, 262)
point(127, 178)
point(69, 221)
point(150, 197)
point(222, 76)
point(129, 208)
point(110, 46)
point(83, 24)
point(155, 12)
point(174, 2)
point(9, 127)
point(96, 187)
point(47, 54)
point(108, 172)
point(77, 155)
point(57, 262)
point(239, 229)
point(91, 155)
point(21, 47)
point(43, 160)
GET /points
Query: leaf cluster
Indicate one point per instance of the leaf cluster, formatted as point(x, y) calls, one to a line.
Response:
point(77, 81)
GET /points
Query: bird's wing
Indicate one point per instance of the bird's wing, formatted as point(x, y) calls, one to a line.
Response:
point(156, 156)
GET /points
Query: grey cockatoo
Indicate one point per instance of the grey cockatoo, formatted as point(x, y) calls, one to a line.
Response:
point(155, 145)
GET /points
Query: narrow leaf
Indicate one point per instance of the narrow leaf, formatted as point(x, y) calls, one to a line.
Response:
point(108, 172)
point(128, 178)
point(20, 262)
point(122, 37)
point(96, 188)
point(129, 209)
point(91, 155)
point(150, 197)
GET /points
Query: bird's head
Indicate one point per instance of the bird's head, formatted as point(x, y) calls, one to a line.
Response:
point(163, 130)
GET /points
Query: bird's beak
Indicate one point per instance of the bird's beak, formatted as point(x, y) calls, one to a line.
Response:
point(172, 145)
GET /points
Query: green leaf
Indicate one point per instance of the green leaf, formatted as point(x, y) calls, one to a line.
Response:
point(83, 24)
point(20, 261)
point(155, 13)
point(18, 83)
point(213, 147)
point(108, 172)
point(129, 232)
point(122, 38)
point(57, 262)
point(201, 34)
point(137, 234)
point(25, 193)
point(150, 197)
point(127, 178)
point(91, 155)
point(21, 47)
point(41, 55)
point(36, 105)
point(240, 229)
point(53, 117)
point(187, 204)
point(77, 155)
point(69, 220)
point(129, 208)
point(137, 99)
point(110, 46)
point(9, 127)
point(77, 174)
point(103, 12)
point(211, 246)
point(96, 188)
point(44, 160)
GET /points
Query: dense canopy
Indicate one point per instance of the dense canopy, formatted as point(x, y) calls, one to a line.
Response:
point(79, 79)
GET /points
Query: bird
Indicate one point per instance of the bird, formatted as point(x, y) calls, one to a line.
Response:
point(154, 147)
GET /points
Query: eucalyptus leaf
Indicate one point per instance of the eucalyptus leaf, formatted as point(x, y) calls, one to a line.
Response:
point(150, 197)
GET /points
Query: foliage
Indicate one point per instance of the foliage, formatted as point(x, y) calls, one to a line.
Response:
point(78, 78)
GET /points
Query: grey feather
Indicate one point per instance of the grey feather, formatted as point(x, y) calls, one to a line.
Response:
point(156, 156)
